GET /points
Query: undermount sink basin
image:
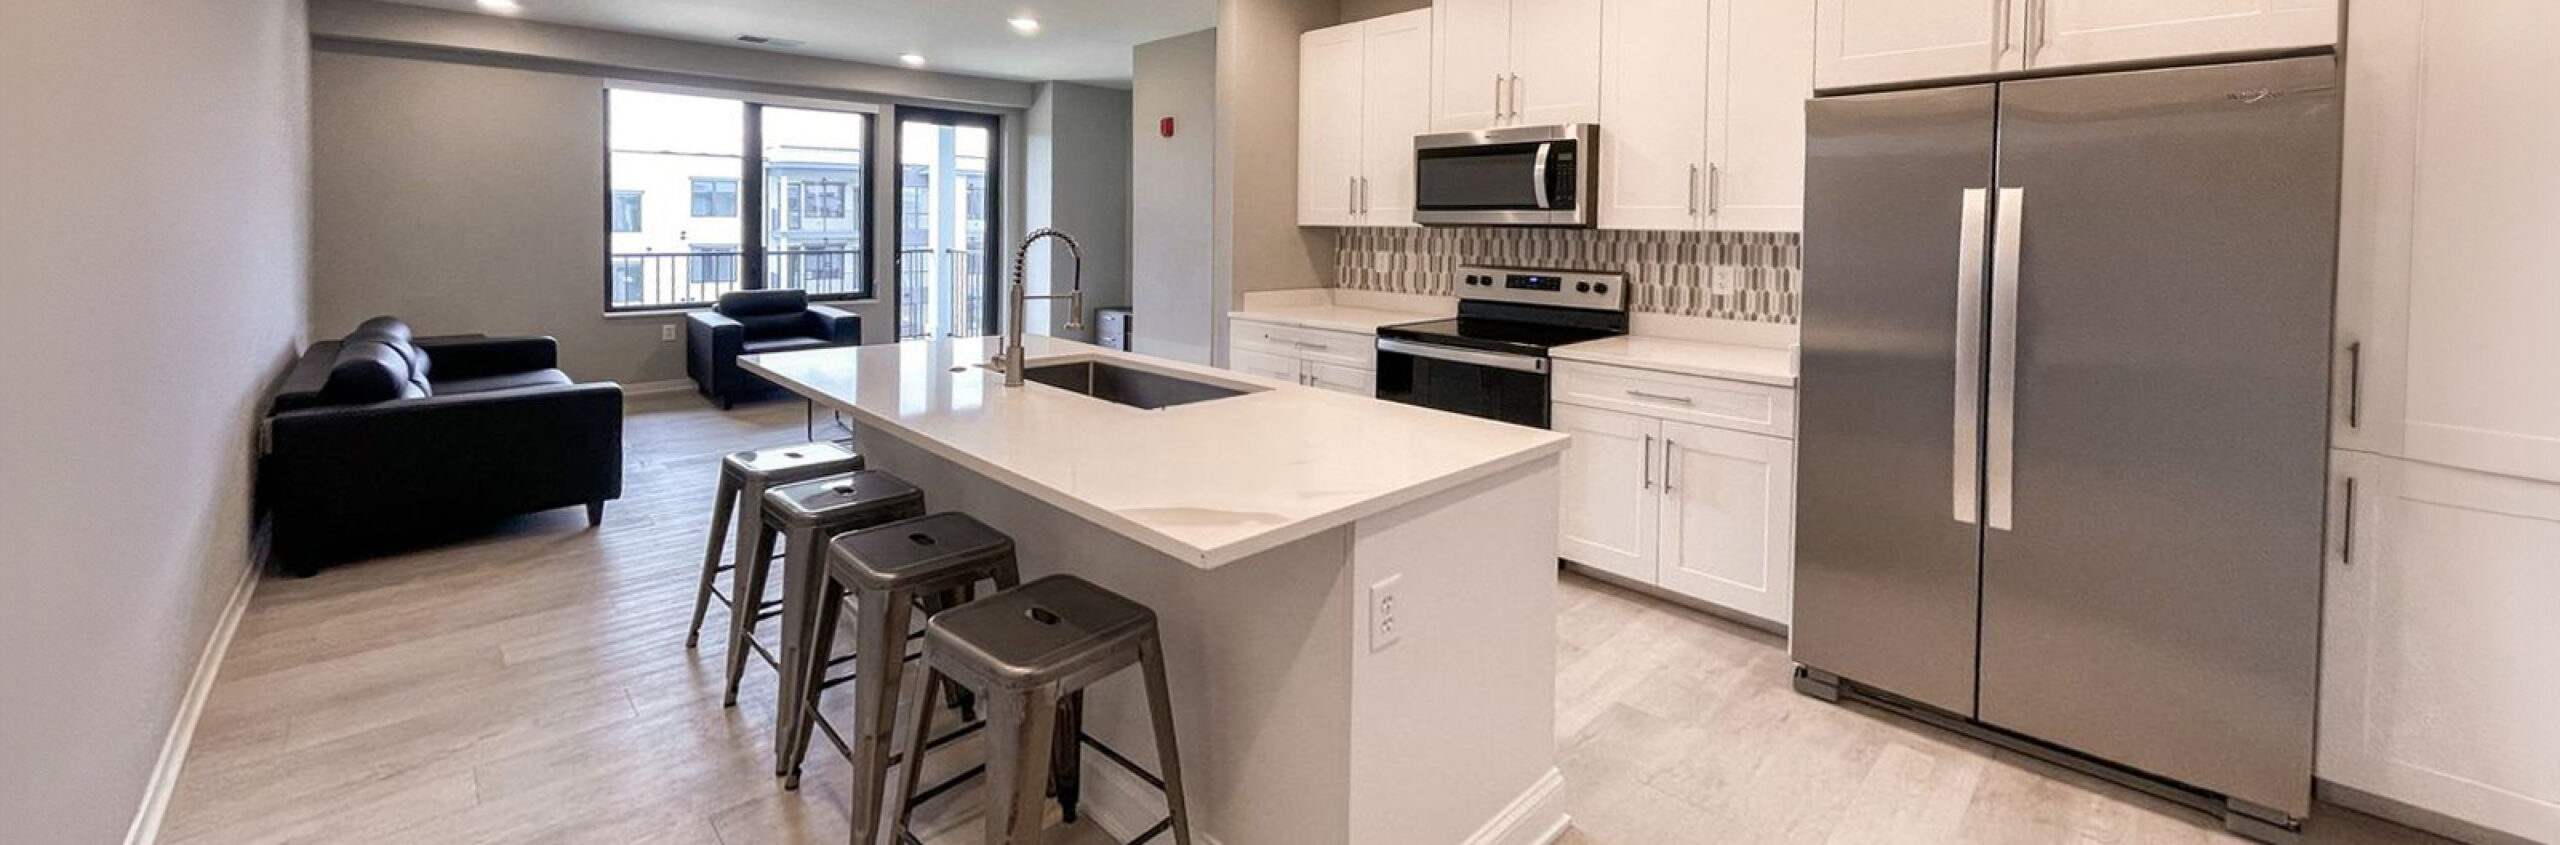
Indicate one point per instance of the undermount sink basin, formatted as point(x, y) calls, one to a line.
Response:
point(1129, 386)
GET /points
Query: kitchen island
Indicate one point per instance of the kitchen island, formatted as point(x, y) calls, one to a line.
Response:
point(1269, 531)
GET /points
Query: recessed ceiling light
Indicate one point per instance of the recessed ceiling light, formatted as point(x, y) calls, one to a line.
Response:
point(912, 59)
point(503, 7)
point(1025, 24)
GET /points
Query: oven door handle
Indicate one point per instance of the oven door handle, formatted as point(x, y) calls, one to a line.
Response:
point(1519, 363)
point(1538, 173)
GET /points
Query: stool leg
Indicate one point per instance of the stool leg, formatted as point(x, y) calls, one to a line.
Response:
point(1066, 754)
point(1019, 726)
point(751, 511)
point(953, 696)
point(920, 724)
point(1160, 706)
point(879, 652)
point(805, 558)
point(746, 600)
point(723, 504)
point(822, 644)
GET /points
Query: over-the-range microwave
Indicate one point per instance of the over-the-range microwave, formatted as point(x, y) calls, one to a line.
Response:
point(1514, 176)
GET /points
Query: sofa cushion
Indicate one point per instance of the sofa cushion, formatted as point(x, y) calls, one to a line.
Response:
point(393, 332)
point(784, 344)
point(508, 381)
point(370, 371)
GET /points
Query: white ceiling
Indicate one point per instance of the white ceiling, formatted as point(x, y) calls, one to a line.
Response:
point(1079, 40)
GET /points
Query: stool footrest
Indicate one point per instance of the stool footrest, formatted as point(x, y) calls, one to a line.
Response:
point(1114, 756)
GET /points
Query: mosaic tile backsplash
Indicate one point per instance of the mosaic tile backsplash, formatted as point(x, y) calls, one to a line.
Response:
point(1670, 272)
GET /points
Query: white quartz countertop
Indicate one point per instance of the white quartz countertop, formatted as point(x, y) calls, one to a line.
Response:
point(1341, 318)
point(1759, 364)
point(1210, 482)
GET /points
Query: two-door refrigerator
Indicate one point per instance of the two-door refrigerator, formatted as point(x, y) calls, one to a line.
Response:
point(2063, 417)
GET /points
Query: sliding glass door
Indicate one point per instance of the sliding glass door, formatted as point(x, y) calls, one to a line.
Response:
point(948, 222)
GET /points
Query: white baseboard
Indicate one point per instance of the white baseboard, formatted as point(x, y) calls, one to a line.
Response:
point(1537, 817)
point(182, 730)
point(652, 388)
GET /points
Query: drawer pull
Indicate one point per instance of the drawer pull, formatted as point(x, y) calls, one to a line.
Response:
point(1320, 347)
point(1657, 397)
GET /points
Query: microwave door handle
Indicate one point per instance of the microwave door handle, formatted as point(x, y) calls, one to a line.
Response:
point(1538, 173)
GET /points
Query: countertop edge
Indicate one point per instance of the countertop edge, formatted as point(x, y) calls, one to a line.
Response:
point(1569, 353)
point(1305, 322)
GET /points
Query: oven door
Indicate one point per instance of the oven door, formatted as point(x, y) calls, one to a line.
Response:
point(1526, 176)
point(1492, 385)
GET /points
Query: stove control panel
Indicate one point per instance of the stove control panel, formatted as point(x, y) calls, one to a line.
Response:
point(1563, 288)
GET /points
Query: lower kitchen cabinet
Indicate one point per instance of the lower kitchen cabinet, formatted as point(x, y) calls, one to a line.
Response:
point(1340, 361)
point(1704, 512)
point(2441, 609)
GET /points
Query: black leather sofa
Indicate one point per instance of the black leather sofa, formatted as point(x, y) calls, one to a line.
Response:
point(753, 322)
point(379, 440)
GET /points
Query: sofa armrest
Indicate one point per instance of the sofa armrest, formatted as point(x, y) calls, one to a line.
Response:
point(711, 344)
point(835, 324)
point(479, 357)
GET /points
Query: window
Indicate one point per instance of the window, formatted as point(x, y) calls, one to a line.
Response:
point(715, 197)
point(626, 212)
point(712, 264)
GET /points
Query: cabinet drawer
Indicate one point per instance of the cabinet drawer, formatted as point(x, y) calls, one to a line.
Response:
point(1740, 406)
point(1346, 348)
point(1267, 338)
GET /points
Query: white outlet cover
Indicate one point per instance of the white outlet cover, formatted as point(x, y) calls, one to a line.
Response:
point(1721, 279)
point(667, 333)
point(1385, 628)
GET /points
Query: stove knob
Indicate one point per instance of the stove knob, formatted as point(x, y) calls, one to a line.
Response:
point(1582, 287)
point(1602, 287)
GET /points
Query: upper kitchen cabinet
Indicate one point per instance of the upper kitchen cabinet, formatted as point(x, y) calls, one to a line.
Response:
point(1364, 91)
point(1514, 63)
point(1885, 42)
point(2445, 350)
point(1704, 139)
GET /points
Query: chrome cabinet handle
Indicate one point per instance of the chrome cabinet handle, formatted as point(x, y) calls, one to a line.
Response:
point(1657, 397)
point(1351, 195)
point(2355, 385)
point(1648, 462)
point(1693, 190)
point(1315, 346)
point(2000, 448)
point(1364, 194)
point(1715, 188)
point(1515, 96)
point(1967, 445)
point(2347, 528)
point(1498, 87)
point(1670, 447)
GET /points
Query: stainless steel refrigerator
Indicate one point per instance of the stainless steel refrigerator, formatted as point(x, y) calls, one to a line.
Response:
point(2064, 408)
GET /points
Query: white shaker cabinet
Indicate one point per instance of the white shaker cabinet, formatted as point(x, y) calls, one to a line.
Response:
point(2441, 607)
point(1340, 361)
point(1675, 482)
point(1704, 139)
point(1890, 42)
point(1514, 63)
point(1363, 92)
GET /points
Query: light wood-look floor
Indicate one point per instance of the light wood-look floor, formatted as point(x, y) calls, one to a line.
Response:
point(532, 687)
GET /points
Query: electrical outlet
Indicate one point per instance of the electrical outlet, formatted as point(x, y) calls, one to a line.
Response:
point(1721, 279)
point(1384, 627)
point(667, 333)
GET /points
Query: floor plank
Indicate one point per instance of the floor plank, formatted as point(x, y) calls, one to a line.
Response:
point(532, 686)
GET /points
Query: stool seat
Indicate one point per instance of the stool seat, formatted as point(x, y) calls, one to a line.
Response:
point(863, 497)
point(910, 554)
point(789, 464)
point(1046, 631)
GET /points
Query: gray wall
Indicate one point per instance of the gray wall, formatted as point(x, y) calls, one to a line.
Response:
point(1361, 10)
point(1173, 195)
point(1257, 243)
point(458, 171)
point(1077, 181)
point(155, 261)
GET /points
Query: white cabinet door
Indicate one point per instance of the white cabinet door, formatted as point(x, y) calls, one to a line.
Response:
point(1336, 377)
point(1874, 42)
point(1653, 110)
point(1761, 71)
point(2072, 32)
point(1555, 62)
point(1265, 364)
point(2437, 672)
point(1329, 68)
point(1728, 519)
point(1471, 54)
point(2375, 210)
point(1395, 106)
point(1611, 505)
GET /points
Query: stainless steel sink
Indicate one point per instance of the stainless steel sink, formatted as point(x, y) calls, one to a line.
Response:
point(1127, 385)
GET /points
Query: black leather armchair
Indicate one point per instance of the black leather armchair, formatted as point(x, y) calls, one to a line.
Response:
point(379, 440)
point(752, 322)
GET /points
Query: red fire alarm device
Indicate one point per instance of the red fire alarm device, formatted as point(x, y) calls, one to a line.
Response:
point(1164, 127)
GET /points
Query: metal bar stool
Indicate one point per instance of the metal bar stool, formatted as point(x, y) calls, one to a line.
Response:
point(804, 517)
point(1029, 653)
point(888, 570)
point(744, 476)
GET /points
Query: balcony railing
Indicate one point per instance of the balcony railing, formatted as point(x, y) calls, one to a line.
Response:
point(923, 285)
point(645, 280)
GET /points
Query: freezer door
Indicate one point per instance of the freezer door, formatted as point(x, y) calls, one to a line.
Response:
point(2157, 414)
point(1887, 549)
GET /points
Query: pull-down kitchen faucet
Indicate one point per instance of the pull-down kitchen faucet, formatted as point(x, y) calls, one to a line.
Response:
point(1010, 361)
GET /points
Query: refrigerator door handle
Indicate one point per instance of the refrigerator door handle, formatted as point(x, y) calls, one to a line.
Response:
point(1972, 237)
point(2000, 447)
